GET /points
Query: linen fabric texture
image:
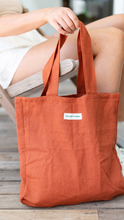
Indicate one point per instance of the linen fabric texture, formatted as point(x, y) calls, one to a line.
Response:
point(67, 162)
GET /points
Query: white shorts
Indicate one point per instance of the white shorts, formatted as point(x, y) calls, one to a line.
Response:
point(12, 51)
point(10, 61)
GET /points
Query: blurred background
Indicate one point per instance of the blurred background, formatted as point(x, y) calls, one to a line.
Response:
point(86, 10)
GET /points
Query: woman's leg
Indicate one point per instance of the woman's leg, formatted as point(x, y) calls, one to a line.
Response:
point(105, 43)
point(110, 21)
point(118, 22)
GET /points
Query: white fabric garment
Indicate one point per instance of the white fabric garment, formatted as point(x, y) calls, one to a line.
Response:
point(12, 51)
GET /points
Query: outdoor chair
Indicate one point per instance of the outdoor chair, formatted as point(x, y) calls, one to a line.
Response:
point(68, 70)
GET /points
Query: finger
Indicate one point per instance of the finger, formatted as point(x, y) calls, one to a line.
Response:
point(69, 22)
point(58, 28)
point(64, 25)
point(74, 18)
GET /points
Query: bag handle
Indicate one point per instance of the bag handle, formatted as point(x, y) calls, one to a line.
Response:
point(52, 66)
point(86, 82)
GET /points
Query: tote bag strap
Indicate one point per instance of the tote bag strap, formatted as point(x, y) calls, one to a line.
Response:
point(53, 65)
point(86, 83)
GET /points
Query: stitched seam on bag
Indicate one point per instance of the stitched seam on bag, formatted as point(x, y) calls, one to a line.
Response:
point(67, 99)
point(24, 137)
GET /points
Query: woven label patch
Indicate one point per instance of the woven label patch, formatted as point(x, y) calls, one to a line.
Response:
point(73, 116)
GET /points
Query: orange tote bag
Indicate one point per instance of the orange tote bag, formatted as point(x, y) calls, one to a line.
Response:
point(67, 143)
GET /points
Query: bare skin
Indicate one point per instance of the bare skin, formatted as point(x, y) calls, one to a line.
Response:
point(107, 40)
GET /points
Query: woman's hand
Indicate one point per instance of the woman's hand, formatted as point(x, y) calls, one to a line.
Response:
point(62, 19)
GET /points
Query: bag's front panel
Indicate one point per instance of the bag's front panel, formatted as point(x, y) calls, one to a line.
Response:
point(71, 161)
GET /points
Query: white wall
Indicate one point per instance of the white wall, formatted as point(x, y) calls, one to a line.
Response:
point(118, 7)
point(32, 5)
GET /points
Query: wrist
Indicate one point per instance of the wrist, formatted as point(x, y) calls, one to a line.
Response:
point(48, 12)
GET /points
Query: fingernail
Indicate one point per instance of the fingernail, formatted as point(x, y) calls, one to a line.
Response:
point(79, 28)
point(67, 34)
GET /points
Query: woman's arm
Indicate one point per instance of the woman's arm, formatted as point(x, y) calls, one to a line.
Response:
point(21, 23)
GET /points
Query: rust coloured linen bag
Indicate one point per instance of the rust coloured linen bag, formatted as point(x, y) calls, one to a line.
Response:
point(67, 143)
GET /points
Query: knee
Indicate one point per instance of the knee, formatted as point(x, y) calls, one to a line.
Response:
point(112, 58)
point(110, 40)
point(116, 41)
point(119, 20)
point(116, 33)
